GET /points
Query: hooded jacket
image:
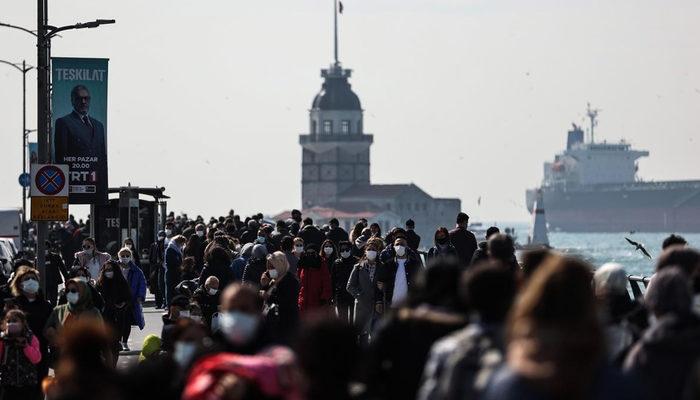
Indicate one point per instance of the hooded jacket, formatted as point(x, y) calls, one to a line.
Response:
point(315, 282)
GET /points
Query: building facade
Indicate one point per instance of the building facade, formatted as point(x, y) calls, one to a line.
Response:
point(336, 168)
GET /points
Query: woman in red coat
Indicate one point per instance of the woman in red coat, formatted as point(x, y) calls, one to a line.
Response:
point(314, 279)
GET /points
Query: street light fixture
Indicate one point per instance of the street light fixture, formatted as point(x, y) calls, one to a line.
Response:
point(24, 68)
point(43, 35)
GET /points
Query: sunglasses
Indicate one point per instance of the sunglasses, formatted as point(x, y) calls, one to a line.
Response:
point(87, 247)
point(72, 291)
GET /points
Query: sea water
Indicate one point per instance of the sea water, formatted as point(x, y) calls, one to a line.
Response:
point(601, 248)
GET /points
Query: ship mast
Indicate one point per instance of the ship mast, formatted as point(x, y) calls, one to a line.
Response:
point(592, 115)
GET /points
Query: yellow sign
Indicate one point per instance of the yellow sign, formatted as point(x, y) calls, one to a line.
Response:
point(54, 208)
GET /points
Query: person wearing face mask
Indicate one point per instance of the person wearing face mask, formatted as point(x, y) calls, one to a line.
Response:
point(256, 266)
point(129, 244)
point(173, 262)
point(340, 274)
point(28, 298)
point(442, 248)
point(20, 354)
point(264, 239)
point(282, 292)
point(241, 330)
point(364, 287)
point(83, 275)
point(398, 274)
point(90, 258)
point(156, 279)
point(137, 284)
point(196, 245)
point(207, 297)
point(117, 297)
point(298, 247)
point(79, 306)
point(315, 280)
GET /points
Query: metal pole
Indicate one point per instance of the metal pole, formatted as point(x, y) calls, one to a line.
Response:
point(335, 30)
point(23, 231)
point(42, 125)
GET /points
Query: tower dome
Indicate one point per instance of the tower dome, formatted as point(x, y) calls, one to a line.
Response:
point(336, 93)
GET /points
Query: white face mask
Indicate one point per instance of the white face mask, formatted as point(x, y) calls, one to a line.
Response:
point(168, 232)
point(184, 314)
point(200, 233)
point(81, 279)
point(212, 291)
point(273, 273)
point(299, 249)
point(400, 250)
point(72, 297)
point(371, 255)
point(125, 260)
point(345, 254)
point(109, 274)
point(328, 251)
point(184, 351)
point(239, 328)
point(30, 286)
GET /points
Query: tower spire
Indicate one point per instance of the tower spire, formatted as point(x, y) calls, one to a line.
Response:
point(335, 30)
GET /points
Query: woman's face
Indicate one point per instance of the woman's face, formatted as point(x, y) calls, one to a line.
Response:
point(72, 287)
point(27, 277)
point(374, 229)
point(87, 245)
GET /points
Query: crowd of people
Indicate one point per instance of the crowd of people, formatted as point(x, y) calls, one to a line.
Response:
point(292, 310)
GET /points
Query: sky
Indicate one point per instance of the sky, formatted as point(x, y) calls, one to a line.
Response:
point(465, 98)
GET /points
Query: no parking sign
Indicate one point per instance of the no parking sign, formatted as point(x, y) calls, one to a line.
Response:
point(49, 192)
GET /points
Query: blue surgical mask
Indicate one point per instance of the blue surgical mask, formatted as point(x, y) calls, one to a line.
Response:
point(261, 239)
point(238, 327)
point(184, 351)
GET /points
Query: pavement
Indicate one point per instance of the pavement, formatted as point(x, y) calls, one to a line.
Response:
point(154, 325)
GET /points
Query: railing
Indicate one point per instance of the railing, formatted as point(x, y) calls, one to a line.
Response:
point(635, 281)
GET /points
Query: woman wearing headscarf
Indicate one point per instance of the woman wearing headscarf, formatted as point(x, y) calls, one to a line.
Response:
point(117, 297)
point(79, 306)
point(315, 280)
point(281, 296)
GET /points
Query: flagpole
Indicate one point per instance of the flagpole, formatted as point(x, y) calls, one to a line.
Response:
point(335, 30)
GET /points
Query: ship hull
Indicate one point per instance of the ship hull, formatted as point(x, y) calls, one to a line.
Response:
point(643, 207)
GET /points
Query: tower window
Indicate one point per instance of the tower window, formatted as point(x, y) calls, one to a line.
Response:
point(359, 126)
point(327, 127)
point(313, 127)
point(345, 127)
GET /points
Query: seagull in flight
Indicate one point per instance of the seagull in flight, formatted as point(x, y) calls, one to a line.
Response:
point(638, 246)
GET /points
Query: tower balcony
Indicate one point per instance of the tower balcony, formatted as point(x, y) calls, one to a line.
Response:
point(335, 137)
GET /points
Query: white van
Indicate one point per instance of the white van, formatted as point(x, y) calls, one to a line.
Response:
point(10, 223)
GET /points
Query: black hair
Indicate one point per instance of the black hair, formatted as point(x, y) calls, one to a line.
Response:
point(287, 243)
point(462, 218)
point(218, 256)
point(488, 290)
point(501, 247)
point(673, 240)
point(491, 231)
point(410, 224)
point(334, 222)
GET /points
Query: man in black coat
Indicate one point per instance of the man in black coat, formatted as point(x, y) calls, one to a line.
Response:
point(56, 273)
point(311, 234)
point(463, 240)
point(412, 238)
point(336, 233)
point(157, 276)
point(79, 135)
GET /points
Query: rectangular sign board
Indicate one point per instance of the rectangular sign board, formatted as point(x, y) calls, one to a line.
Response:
point(79, 106)
point(49, 192)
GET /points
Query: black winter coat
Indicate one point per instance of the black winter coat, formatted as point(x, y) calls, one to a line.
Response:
point(254, 270)
point(465, 243)
point(284, 294)
point(340, 274)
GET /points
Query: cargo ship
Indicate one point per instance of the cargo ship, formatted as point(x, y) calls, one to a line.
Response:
point(594, 187)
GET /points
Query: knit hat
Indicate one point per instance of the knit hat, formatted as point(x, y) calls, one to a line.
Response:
point(151, 345)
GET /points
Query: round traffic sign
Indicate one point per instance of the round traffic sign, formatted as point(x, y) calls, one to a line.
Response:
point(24, 179)
point(50, 180)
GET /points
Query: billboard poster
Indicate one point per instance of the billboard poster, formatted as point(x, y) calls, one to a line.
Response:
point(79, 113)
point(33, 148)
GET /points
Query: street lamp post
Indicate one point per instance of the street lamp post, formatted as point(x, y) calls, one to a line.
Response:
point(23, 69)
point(43, 36)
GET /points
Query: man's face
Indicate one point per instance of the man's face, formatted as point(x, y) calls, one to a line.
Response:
point(81, 102)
